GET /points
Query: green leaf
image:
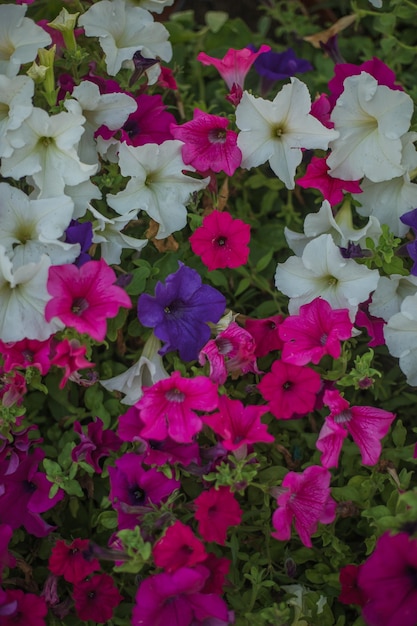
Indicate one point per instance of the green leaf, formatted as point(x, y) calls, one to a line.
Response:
point(215, 20)
point(399, 434)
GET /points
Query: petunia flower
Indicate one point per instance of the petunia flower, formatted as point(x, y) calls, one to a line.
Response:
point(221, 241)
point(277, 131)
point(266, 334)
point(272, 66)
point(317, 177)
point(208, 145)
point(305, 499)
point(390, 293)
point(108, 233)
point(26, 353)
point(366, 424)
point(178, 547)
point(350, 592)
point(30, 609)
point(216, 510)
point(85, 297)
point(96, 598)
point(81, 233)
point(95, 444)
point(72, 561)
point(180, 311)
point(401, 338)
point(168, 407)
point(15, 106)
point(317, 330)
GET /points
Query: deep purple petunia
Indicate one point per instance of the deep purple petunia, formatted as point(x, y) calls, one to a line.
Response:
point(82, 233)
point(410, 219)
point(180, 310)
point(272, 66)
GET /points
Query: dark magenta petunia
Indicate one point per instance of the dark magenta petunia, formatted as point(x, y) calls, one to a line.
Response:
point(29, 609)
point(95, 444)
point(72, 561)
point(216, 511)
point(96, 598)
point(179, 547)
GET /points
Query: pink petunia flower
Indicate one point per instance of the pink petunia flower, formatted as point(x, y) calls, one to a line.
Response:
point(221, 241)
point(232, 351)
point(216, 511)
point(238, 425)
point(266, 334)
point(30, 609)
point(208, 145)
point(321, 110)
point(374, 326)
point(96, 598)
point(84, 297)
point(291, 390)
point(69, 354)
point(94, 445)
point(317, 330)
point(72, 561)
point(168, 407)
point(387, 580)
point(26, 353)
point(305, 498)
point(366, 424)
point(317, 177)
point(179, 547)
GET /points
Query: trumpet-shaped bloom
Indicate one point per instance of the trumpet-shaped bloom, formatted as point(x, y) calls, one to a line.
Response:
point(390, 293)
point(169, 407)
point(122, 30)
point(29, 609)
point(69, 354)
point(96, 598)
point(221, 241)
point(366, 424)
point(332, 188)
point(95, 444)
point(235, 64)
point(277, 131)
point(150, 123)
point(15, 106)
point(208, 145)
point(401, 338)
point(306, 500)
point(72, 561)
point(179, 547)
point(272, 66)
point(180, 311)
point(266, 334)
point(371, 119)
point(108, 233)
point(85, 297)
point(323, 272)
point(317, 330)
point(216, 511)
point(157, 186)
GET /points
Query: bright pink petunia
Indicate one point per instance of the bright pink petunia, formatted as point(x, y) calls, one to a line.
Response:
point(317, 330)
point(208, 145)
point(266, 334)
point(291, 390)
point(305, 498)
point(317, 177)
point(179, 547)
point(321, 110)
point(238, 425)
point(168, 407)
point(221, 241)
point(366, 424)
point(84, 297)
point(72, 561)
point(96, 598)
point(216, 511)
point(26, 353)
point(374, 326)
point(69, 354)
point(232, 351)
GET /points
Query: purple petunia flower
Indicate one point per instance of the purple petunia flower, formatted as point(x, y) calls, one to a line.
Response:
point(272, 66)
point(94, 444)
point(180, 310)
point(81, 233)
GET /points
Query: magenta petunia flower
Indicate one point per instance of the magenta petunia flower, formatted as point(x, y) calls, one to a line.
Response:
point(208, 145)
point(291, 390)
point(26, 353)
point(177, 599)
point(238, 425)
point(168, 407)
point(216, 510)
point(85, 297)
point(387, 580)
point(69, 354)
point(96, 598)
point(221, 241)
point(366, 424)
point(6, 559)
point(317, 330)
point(72, 561)
point(180, 311)
point(30, 609)
point(133, 489)
point(317, 177)
point(350, 592)
point(95, 444)
point(232, 351)
point(265, 333)
point(179, 547)
point(304, 498)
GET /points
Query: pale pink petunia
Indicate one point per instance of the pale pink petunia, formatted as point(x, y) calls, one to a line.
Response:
point(366, 424)
point(221, 241)
point(306, 500)
point(317, 330)
point(332, 189)
point(208, 145)
point(216, 511)
point(169, 407)
point(84, 297)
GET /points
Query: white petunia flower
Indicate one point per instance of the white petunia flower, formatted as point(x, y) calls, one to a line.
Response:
point(15, 106)
point(390, 294)
point(401, 338)
point(111, 109)
point(123, 30)
point(155, 6)
point(20, 39)
point(107, 232)
point(323, 272)
point(145, 373)
point(31, 228)
point(23, 297)
point(339, 227)
point(81, 195)
point(371, 119)
point(157, 185)
point(45, 148)
point(277, 131)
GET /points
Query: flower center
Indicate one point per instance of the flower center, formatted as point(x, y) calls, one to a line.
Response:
point(411, 572)
point(277, 132)
point(224, 346)
point(137, 495)
point(175, 395)
point(220, 241)
point(323, 339)
point(332, 281)
point(343, 417)
point(46, 141)
point(287, 385)
point(217, 135)
point(131, 128)
point(79, 305)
